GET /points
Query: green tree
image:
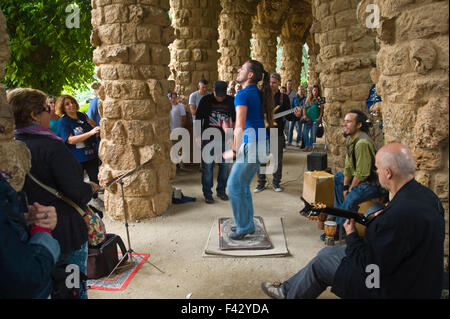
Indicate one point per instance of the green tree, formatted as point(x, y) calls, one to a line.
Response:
point(49, 49)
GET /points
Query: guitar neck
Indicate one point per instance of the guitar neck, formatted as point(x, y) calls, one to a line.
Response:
point(310, 210)
point(281, 114)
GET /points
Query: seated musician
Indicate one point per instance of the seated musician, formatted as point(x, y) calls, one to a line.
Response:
point(401, 254)
point(281, 101)
point(358, 182)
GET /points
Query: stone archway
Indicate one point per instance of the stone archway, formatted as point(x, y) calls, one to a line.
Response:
point(409, 51)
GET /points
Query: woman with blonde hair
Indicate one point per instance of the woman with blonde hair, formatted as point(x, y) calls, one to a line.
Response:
point(51, 100)
point(79, 133)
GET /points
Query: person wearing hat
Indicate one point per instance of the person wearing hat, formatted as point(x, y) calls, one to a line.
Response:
point(216, 111)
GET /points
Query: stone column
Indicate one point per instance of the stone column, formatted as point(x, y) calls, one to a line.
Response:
point(15, 158)
point(293, 37)
point(313, 50)
point(267, 24)
point(235, 23)
point(413, 82)
point(194, 52)
point(131, 39)
point(347, 55)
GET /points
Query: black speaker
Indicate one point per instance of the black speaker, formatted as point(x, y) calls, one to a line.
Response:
point(316, 162)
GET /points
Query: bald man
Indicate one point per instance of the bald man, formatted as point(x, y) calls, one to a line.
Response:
point(401, 254)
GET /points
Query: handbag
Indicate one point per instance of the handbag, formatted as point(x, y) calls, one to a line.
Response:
point(320, 130)
point(95, 225)
point(103, 258)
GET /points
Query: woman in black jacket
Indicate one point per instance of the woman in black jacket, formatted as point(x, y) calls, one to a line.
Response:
point(53, 165)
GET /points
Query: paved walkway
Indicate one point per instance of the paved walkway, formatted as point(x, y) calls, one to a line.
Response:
point(175, 242)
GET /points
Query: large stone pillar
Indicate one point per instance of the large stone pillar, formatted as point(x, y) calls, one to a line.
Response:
point(15, 157)
point(235, 23)
point(313, 51)
point(194, 52)
point(267, 24)
point(347, 55)
point(132, 56)
point(413, 82)
point(293, 37)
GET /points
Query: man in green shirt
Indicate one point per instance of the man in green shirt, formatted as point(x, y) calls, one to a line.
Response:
point(358, 182)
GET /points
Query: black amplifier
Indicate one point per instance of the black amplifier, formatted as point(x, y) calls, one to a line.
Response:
point(316, 162)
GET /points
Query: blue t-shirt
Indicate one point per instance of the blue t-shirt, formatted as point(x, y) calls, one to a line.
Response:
point(250, 98)
point(83, 151)
point(54, 126)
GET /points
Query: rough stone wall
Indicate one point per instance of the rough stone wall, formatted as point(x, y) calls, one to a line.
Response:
point(131, 39)
point(194, 51)
point(347, 55)
point(267, 23)
point(413, 81)
point(293, 36)
point(14, 155)
point(235, 24)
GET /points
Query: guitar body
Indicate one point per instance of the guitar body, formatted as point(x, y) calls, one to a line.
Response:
point(363, 207)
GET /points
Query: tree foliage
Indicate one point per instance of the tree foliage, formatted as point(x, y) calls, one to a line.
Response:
point(46, 54)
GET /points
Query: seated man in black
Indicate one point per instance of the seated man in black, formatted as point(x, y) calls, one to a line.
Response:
point(401, 254)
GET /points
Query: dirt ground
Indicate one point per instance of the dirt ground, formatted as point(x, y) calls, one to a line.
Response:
point(176, 241)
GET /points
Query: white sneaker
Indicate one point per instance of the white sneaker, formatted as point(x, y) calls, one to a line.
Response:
point(277, 188)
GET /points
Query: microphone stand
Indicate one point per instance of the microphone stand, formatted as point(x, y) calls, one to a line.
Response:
point(129, 252)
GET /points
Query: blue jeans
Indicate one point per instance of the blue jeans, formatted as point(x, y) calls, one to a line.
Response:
point(208, 175)
point(309, 133)
point(358, 195)
point(298, 125)
point(241, 175)
point(316, 276)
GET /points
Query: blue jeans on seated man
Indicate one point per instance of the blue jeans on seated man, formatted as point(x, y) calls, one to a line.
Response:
point(316, 276)
point(244, 169)
point(208, 174)
point(358, 195)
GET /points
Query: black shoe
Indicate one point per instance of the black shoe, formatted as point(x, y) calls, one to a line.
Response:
point(236, 236)
point(233, 229)
point(209, 200)
point(274, 290)
point(223, 196)
point(259, 188)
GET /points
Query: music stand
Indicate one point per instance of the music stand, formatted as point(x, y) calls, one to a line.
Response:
point(129, 252)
